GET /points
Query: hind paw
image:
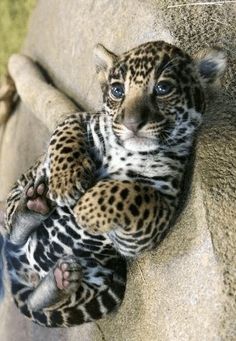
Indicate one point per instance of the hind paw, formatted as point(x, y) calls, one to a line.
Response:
point(36, 197)
point(68, 274)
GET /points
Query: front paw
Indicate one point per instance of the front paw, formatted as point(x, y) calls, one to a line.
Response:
point(68, 182)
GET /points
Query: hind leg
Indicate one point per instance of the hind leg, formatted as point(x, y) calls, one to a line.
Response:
point(62, 281)
point(33, 208)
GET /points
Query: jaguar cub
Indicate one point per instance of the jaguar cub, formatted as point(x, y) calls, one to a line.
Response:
point(108, 186)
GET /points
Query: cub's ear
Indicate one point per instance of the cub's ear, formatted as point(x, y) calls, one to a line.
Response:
point(211, 64)
point(104, 60)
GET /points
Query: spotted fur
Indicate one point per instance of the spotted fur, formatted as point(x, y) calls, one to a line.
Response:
point(115, 177)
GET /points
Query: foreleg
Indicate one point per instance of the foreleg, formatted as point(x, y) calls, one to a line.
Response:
point(131, 213)
point(68, 165)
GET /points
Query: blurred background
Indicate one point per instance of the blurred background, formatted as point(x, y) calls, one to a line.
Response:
point(13, 26)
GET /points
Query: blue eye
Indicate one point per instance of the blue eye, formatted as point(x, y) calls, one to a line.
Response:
point(163, 88)
point(117, 90)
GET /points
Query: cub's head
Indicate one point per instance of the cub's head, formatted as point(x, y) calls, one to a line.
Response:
point(155, 92)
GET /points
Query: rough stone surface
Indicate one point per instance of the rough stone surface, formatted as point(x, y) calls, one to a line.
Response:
point(186, 289)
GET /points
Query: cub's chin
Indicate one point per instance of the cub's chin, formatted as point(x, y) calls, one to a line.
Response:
point(140, 144)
